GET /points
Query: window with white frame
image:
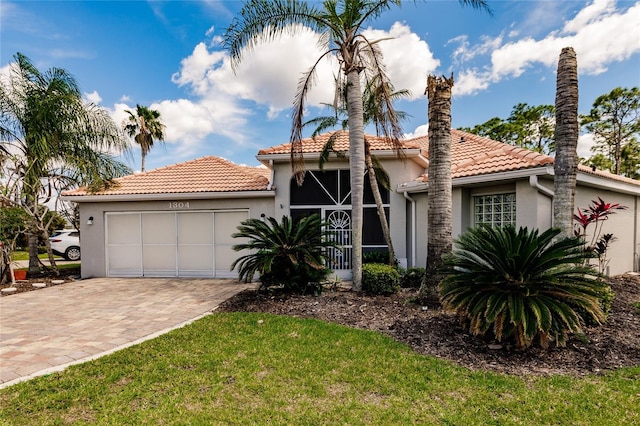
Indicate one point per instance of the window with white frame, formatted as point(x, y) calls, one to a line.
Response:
point(495, 209)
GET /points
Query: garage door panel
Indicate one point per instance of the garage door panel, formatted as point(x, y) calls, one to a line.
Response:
point(123, 229)
point(195, 260)
point(224, 258)
point(125, 261)
point(226, 224)
point(159, 259)
point(195, 228)
point(159, 228)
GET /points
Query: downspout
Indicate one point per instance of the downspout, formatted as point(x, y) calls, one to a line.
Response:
point(636, 261)
point(272, 176)
point(533, 182)
point(413, 228)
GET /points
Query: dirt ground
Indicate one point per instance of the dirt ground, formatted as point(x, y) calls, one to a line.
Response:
point(430, 330)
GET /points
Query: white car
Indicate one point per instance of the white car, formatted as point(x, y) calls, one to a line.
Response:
point(66, 243)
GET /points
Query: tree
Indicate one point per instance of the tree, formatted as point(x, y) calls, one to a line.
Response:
point(439, 211)
point(374, 113)
point(614, 121)
point(566, 162)
point(529, 127)
point(340, 24)
point(51, 140)
point(144, 126)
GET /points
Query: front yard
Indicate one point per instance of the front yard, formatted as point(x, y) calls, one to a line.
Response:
point(257, 368)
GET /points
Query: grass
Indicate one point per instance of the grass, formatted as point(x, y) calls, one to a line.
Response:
point(24, 255)
point(239, 368)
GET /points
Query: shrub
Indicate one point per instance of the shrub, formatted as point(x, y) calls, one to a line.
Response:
point(412, 277)
point(290, 254)
point(378, 278)
point(377, 256)
point(522, 286)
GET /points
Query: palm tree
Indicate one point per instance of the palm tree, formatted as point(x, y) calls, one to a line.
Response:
point(340, 24)
point(440, 236)
point(54, 139)
point(374, 113)
point(566, 162)
point(144, 126)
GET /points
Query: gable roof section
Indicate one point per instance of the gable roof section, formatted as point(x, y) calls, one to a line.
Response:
point(206, 174)
point(473, 155)
point(341, 144)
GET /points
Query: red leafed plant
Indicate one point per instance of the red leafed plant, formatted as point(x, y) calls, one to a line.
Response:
point(596, 213)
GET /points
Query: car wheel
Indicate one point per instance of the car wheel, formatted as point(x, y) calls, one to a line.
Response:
point(72, 253)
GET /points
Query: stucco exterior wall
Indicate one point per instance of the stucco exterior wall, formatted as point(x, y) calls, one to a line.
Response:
point(623, 252)
point(93, 236)
point(398, 171)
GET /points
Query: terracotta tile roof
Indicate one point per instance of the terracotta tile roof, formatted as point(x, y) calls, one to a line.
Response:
point(473, 155)
point(206, 174)
point(341, 144)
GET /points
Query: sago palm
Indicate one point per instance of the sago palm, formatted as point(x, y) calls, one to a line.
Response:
point(521, 285)
point(291, 253)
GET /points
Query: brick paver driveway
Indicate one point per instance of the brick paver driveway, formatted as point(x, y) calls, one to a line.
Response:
point(46, 330)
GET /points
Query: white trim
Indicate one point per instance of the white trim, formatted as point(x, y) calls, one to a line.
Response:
point(167, 196)
point(413, 153)
point(582, 177)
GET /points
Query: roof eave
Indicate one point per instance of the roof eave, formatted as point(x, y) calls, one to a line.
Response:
point(413, 186)
point(415, 154)
point(167, 196)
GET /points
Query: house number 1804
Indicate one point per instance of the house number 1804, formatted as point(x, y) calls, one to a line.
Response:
point(178, 205)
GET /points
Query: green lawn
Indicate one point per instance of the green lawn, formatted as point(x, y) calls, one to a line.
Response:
point(24, 255)
point(238, 368)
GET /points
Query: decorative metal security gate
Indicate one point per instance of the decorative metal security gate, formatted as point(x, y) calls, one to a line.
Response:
point(339, 224)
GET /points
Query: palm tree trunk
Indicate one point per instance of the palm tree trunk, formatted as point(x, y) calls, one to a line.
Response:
point(356, 166)
point(382, 215)
point(440, 238)
point(143, 157)
point(566, 162)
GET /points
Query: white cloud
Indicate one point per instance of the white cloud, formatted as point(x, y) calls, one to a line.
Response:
point(600, 33)
point(585, 142)
point(408, 59)
point(93, 97)
point(470, 81)
point(268, 76)
point(422, 130)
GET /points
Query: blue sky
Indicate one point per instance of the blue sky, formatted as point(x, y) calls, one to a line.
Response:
point(167, 55)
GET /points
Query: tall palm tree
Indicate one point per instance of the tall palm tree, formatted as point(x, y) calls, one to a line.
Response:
point(54, 140)
point(374, 113)
point(144, 126)
point(439, 216)
point(566, 162)
point(340, 24)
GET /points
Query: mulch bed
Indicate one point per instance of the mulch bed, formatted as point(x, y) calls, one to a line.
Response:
point(433, 331)
point(430, 330)
point(66, 275)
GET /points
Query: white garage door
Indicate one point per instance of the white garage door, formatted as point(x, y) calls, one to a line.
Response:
point(172, 244)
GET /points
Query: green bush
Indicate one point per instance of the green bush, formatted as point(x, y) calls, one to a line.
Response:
point(377, 256)
point(412, 277)
point(378, 278)
point(521, 286)
point(291, 254)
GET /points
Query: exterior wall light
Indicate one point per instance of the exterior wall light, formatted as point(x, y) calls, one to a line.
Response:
point(90, 221)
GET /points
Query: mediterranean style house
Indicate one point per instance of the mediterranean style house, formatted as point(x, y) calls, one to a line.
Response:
point(177, 221)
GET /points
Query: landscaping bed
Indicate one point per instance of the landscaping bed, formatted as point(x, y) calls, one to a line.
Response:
point(432, 331)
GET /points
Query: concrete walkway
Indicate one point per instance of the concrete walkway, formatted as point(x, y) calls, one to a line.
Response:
point(47, 330)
